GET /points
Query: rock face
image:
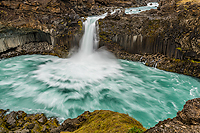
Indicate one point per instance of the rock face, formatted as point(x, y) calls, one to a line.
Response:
point(186, 121)
point(17, 39)
point(37, 21)
point(91, 7)
point(171, 31)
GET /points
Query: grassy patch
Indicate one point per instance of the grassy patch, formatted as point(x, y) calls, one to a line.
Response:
point(101, 121)
point(136, 130)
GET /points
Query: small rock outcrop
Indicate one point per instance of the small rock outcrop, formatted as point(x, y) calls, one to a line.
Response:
point(99, 121)
point(20, 122)
point(186, 121)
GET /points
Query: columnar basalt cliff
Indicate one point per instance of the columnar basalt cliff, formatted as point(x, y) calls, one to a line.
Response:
point(168, 38)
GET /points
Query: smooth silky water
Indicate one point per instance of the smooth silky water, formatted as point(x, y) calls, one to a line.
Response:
point(92, 79)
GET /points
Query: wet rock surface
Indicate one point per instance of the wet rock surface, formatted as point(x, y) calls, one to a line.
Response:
point(186, 121)
point(167, 37)
point(24, 41)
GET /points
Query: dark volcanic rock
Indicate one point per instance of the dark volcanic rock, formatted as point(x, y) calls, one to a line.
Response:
point(57, 22)
point(37, 21)
point(23, 123)
point(186, 121)
point(171, 31)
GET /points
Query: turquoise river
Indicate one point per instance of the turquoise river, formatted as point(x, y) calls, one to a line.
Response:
point(65, 89)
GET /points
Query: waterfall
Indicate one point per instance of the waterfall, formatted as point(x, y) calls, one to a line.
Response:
point(89, 42)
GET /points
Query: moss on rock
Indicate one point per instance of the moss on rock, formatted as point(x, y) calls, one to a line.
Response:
point(101, 121)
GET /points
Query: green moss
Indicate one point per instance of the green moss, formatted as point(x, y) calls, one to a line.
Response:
point(135, 130)
point(101, 121)
point(52, 123)
point(153, 25)
point(195, 61)
point(3, 124)
point(176, 60)
point(80, 25)
point(179, 48)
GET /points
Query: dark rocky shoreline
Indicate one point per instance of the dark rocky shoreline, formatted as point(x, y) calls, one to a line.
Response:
point(99, 120)
point(186, 121)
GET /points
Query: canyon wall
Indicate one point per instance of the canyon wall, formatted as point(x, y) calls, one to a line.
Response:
point(173, 31)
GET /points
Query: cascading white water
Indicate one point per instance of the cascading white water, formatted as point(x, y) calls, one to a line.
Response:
point(89, 41)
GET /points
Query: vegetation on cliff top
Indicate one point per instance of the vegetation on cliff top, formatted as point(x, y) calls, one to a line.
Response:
point(101, 121)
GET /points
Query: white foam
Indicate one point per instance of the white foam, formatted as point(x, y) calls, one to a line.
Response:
point(89, 65)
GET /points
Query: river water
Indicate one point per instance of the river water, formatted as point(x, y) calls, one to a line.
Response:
point(92, 79)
